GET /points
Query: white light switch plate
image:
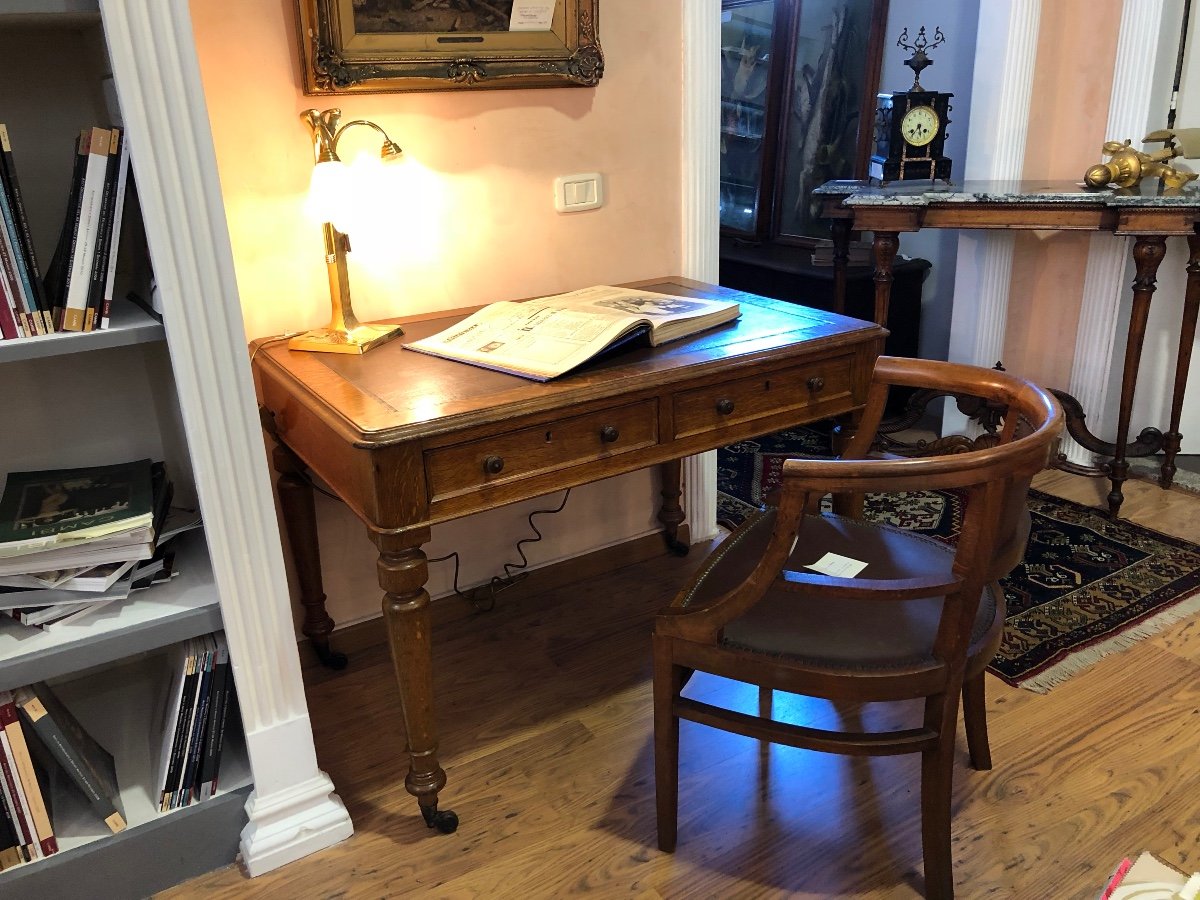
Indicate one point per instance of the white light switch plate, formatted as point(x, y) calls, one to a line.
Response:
point(575, 193)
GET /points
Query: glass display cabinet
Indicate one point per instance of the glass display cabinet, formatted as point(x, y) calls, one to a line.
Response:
point(798, 81)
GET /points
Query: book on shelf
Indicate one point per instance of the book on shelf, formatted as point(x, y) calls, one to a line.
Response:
point(16, 198)
point(116, 220)
point(206, 652)
point(58, 272)
point(53, 609)
point(12, 598)
point(858, 253)
point(14, 809)
point(547, 337)
point(10, 277)
point(96, 147)
point(51, 578)
point(10, 844)
point(81, 757)
point(86, 579)
point(75, 555)
point(99, 262)
point(10, 326)
point(173, 732)
point(56, 508)
point(16, 254)
point(214, 730)
point(30, 790)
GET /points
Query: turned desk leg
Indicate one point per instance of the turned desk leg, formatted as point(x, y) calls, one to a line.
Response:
point(403, 571)
point(671, 514)
point(1148, 252)
point(300, 525)
point(1187, 334)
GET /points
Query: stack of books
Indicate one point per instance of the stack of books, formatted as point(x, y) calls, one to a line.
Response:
point(75, 540)
point(77, 290)
point(44, 751)
point(191, 728)
point(860, 253)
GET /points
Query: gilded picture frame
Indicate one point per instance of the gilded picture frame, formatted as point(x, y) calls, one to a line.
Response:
point(374, 46)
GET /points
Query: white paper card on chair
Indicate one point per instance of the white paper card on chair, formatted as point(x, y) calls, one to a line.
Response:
point(837, 566)
point(531, 15)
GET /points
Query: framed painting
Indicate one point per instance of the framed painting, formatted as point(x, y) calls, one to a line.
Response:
point(375, 46)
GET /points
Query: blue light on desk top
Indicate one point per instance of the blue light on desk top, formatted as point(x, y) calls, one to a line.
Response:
point(1149, 194)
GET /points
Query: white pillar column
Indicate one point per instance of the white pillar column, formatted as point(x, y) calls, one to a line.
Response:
point(701, 171)
point(1104, 282)
point(1006, 50)
point(293, 810)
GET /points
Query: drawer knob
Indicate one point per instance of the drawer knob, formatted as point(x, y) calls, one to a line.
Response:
point(609, 433)
point(724, 406)
point(816, 383)
point(493, 465)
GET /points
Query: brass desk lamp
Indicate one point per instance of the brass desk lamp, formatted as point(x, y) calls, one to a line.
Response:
point(328, 197)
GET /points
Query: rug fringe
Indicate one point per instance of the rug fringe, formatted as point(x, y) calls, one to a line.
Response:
point(1078, 660)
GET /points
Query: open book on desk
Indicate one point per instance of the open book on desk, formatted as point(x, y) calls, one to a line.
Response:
point(547, 337)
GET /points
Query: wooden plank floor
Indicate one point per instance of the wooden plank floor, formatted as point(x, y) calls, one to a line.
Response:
point(546, 735)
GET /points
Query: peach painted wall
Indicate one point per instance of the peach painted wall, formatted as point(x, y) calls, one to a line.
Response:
point(483, 228)
point(1069, 112)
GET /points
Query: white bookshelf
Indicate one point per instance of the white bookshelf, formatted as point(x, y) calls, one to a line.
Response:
point(95, 398)
point(130, 325)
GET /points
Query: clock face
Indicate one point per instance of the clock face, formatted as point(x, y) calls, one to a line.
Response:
point(919, 125)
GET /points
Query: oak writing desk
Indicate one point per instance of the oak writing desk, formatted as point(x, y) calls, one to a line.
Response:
point(1147, 215)
point(408, 440)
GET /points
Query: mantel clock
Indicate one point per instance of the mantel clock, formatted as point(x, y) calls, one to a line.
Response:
point(910, 126)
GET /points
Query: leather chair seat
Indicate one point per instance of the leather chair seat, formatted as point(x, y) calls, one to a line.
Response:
point(839, 633)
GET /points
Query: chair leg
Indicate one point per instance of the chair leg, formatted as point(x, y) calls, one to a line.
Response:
point(937, 780)
point(766, 702)
point(975, 720)
point(668, 681)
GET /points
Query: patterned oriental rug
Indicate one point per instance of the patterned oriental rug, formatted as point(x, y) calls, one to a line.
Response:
point(1088, 586)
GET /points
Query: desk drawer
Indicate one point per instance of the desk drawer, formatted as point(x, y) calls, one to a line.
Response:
point(763, 395)
point(541, 448)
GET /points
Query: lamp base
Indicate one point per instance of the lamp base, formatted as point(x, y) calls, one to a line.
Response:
point(356, 340)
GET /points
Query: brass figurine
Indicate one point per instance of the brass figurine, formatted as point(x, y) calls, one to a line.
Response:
point(1127, 166)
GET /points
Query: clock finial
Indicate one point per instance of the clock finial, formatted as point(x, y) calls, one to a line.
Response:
point(919, 60)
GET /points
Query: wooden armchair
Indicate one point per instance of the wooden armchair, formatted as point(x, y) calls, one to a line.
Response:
point(922, 620)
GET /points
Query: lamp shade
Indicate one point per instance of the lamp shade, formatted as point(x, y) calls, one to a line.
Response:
point(329, 197)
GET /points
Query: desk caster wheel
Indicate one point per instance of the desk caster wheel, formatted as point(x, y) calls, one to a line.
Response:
point(445, 821)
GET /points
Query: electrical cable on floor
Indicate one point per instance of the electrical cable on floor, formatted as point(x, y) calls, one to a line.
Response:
point(507, 579)
point(497, 583)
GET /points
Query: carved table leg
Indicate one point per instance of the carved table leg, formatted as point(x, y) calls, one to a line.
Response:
point(1148, 252)
point(300, 524)
point(886, 244)
point(403, 571)
point(840, 232)
point(1187, 334)
point(671, 513)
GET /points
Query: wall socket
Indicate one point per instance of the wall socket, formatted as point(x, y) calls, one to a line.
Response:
point(575, 193)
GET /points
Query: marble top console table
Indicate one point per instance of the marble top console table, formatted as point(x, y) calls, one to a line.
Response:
point(1148, 215)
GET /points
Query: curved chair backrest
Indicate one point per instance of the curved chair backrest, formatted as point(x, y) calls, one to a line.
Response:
point(1028, 417)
